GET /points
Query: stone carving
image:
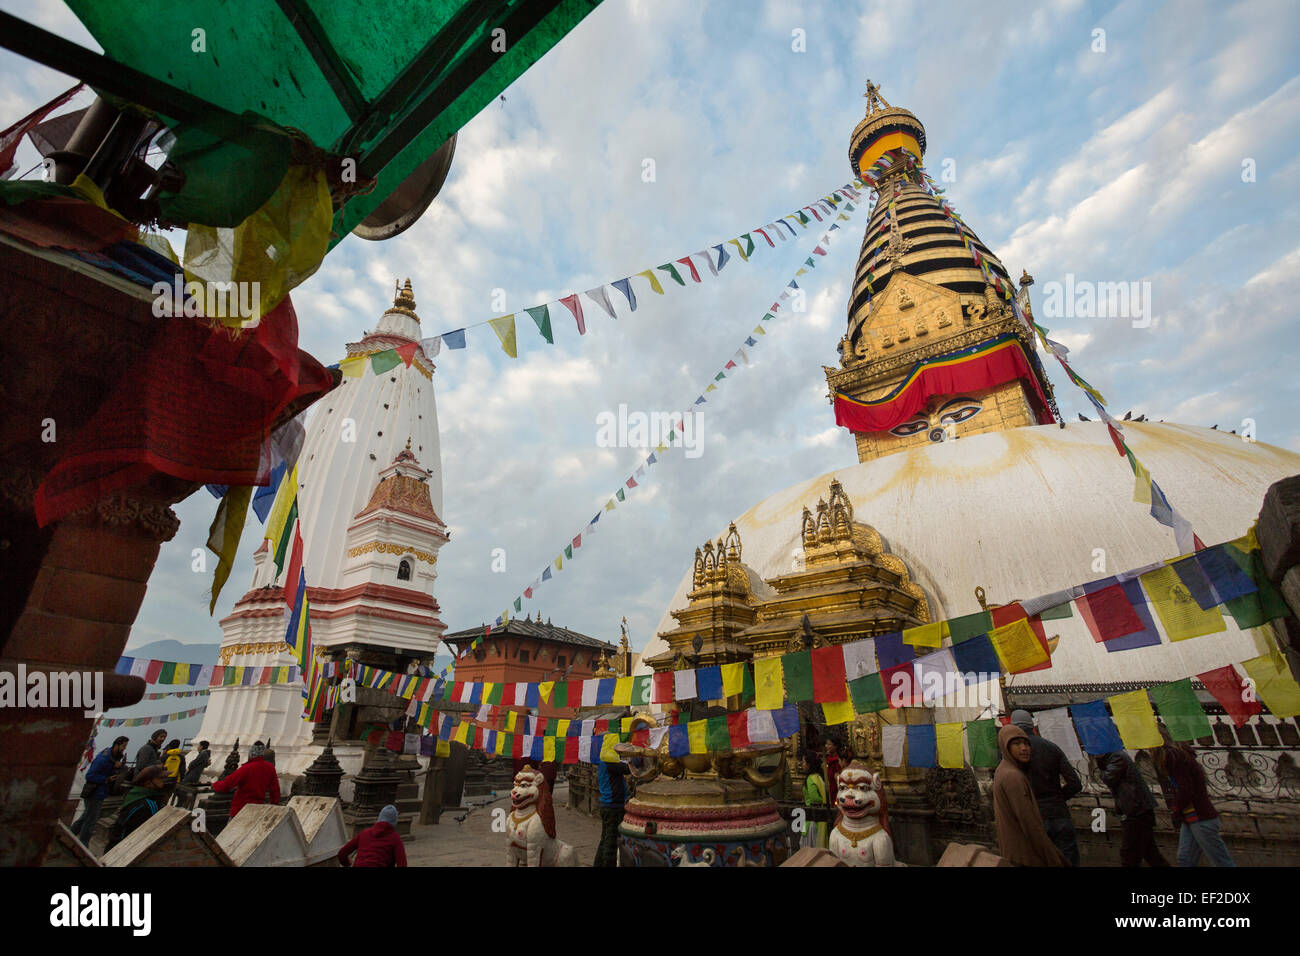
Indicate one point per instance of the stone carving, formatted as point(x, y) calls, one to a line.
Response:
point(384, 547)
point(530, 828)
point(681, 858)
point(861, 836)
point(904, 300)
point(944, 320)
point(954, 794)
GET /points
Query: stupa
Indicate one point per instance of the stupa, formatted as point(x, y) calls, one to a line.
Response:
point(369, 498)
point(978, 485)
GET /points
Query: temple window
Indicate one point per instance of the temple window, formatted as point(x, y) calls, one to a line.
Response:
point(523, 657)
point(404, 570)
point(559, 661)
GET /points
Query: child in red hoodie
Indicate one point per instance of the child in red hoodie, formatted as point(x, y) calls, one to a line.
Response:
point(380, 845)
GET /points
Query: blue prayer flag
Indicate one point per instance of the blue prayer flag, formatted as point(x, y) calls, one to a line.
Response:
point(679, 741)
point(1097, 732)
point(921, 745)
point(891, 651)
point(708, 683)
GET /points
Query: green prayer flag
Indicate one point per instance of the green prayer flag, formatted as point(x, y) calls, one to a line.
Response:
point(749, 244)
point(383, 361)
point(641, 691)
point(282, 546)
point(719, 377)
point(560, 694)
point(797, 670)
point(620, 495)
point(519, 605)
point(970, 625)
point(1058, 613)
point(868, 694)
point(747, 686)
point(672, 271)
point(1258, 607)
point(715, 734)
point(541, 314)
point(568, 553)
point(809, 263)
point(228, 677)
point(168, 673)
point(1180, 710)
point(494, 695)
point(982, 739)
point(803, 218)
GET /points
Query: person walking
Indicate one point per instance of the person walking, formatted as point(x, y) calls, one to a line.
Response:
point(1194, 816)
point(1048, 767)
point(145, 798)
point(103, 770)
point(194, 775)
point(149, 754)
point(376, 846)
point(613, 797)
point(816, 809)
point(1022, 839)
point(254, 782)
point(1136, 808)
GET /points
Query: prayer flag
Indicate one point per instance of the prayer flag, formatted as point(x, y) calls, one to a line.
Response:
point(733, 679)
point(927, 635)
point(684, 686)
point(663, 687)
point(574, 305)
point(381, 362)
point(1181, 711)
point(828, 675)
point(686, 261)
point(541, 315)
point(892, 738)
point(1179, 612)
point(1097, 732)
point(1225, 576)
point(698, 732)
point(1264, 603)
point(969, 625)
point(1017, 647)
point(948, 746)
point(891, 651)
point(769, 685)
point(838, 712)
point(454, 340)
point(601, 298)
point(936, 675)
point(625, 286)
point(1236, 696)
point(976, 656)
point(622, 692)
point(796, 670)
point(1135, 720)
point(859, 658)
point(1198, 585)
point(1274, 685)
point(868, 693)
point(717, 736)
point(679, 743)
point(738, 729)
point(1112, 613)
point(982, 737)
point(900, 685)
point(708, 683)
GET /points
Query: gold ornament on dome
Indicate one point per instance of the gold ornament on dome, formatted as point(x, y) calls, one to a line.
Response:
point(384, 547)
point(260, 647)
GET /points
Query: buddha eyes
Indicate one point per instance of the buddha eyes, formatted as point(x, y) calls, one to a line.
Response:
point(959, 413)
point(913, 427)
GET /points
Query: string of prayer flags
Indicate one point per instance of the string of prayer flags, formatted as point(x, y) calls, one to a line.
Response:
point(1135, 720)
point(1180, 710)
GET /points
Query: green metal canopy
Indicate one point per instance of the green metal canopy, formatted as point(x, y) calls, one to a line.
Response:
point(385, 83)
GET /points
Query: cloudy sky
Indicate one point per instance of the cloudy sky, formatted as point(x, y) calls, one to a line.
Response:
point(1125, 155)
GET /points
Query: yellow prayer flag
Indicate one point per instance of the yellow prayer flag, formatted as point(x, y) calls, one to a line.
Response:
point(1141, 484)
point(1017, 646)
point(927, 635)
point(769, 684)
point(711, 388)
point(697, 732)
point(354, 366)
point(623, 692)
point(285, 496)
point(545, 688)
point(654, 281)
point(740, 249)
point(1275, 687)
point(548, 749)
point(182, 674)
point(759, 330)
point(442, 748)
point(500, 746)
point(1135, 720)
point(1248, 542)
point(488, 687)
point(559, 561)
point(733, 679)
point(661, 447)
point(609, 505)
point(840, 712)
point(948, 748)
point(607, 752)
point(1181, 616)
point(561, 728)
point(511, 719)
point(504, 327)
point(462, 732)
point(801, 272)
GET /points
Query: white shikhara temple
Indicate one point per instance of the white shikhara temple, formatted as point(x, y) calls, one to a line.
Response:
point(369, 498)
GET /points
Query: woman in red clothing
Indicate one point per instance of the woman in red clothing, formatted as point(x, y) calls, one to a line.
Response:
point(380, 845)
point(254, 782)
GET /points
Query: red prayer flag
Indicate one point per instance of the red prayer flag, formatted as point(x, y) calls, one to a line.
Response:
point(516, 745)
point(828, 675)
point(577, 541)
point(664, 691)
point(396, 740)
point(814, 212)
point(11, 137)
point(738, 728)
point(574, 305)
point(152, 671)
point(375, 736)
point(900, 685)
point(602, 726)
point(765, 236)
point(407, 352)
point(295, 570)
point(1115, 439)
point(1229, 689)
point(1112, 613)
point(571, 749)
point(641, 738)
point(686, 261)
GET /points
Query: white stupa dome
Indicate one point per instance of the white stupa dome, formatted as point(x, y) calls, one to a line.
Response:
point(1022, 513)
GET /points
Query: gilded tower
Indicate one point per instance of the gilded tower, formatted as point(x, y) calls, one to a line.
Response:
point(922, 303)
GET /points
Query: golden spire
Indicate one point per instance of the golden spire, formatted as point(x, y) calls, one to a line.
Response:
point(403, 300)
point(874, 99)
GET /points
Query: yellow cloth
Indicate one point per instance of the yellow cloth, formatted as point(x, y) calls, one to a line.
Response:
point(769, 684)
point(559, 562)
point(277, 247)
point(739, 249)
point(1276, 688)
point(462, 732)
point(511, 719)
point(548, 748)
point(284, 499)
point(607, 752)
point(697, 732)
point(442, 748)
point(840, 712)
point(562, 728)
point(1017, 646)
point(545, 688)
point(609, 505)
point(504, 327)
point(354, 367)
point(927, 635)
point(224, 535)
point(733, 679)
point(623, 691)
point(500, 747)
point(654, 281)
point(948, 745)
point(182, 674)
point(625, 724)
point(1181, 616)
point(1141, 484)
point(1135, 720)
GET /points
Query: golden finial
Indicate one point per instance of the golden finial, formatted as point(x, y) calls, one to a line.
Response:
point(408, 442)
point(874, 99)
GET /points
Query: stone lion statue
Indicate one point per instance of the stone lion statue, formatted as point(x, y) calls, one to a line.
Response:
point(530, 828)
point(861, 835)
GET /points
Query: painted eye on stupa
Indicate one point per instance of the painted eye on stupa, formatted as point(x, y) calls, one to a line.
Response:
point(915, 426)
point(959, 410)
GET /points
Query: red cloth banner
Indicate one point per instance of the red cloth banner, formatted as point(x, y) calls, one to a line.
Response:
point(1229, 689)
point(828, 675)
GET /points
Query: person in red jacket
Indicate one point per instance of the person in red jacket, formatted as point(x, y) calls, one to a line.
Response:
point(254, 782)
point(380, 845)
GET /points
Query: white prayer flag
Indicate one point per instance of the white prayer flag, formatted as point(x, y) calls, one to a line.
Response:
point(684, 684)
point(892, 737)
point(1055, 725)
point(860, 658)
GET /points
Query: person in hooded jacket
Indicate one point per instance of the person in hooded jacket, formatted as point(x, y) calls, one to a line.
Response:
point(1054, 782)
point(254, 782)
point(377, 846)
point(1022, 838)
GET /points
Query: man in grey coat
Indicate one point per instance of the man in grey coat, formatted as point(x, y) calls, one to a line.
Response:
point(150, 753)
point(1048, 767)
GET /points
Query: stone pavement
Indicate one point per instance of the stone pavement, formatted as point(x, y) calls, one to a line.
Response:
point(472, 842)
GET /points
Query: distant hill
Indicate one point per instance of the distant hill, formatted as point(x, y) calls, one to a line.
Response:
point(170, 650)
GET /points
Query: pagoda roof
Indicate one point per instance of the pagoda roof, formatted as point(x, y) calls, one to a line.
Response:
point(524, 627)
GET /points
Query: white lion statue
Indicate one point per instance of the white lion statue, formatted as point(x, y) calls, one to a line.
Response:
point(861, 835)
point(531, 825)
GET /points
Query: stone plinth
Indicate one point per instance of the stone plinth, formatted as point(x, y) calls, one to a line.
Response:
point(264, 834)
point(727, 821)
point(321, 819)
point(168, 839)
